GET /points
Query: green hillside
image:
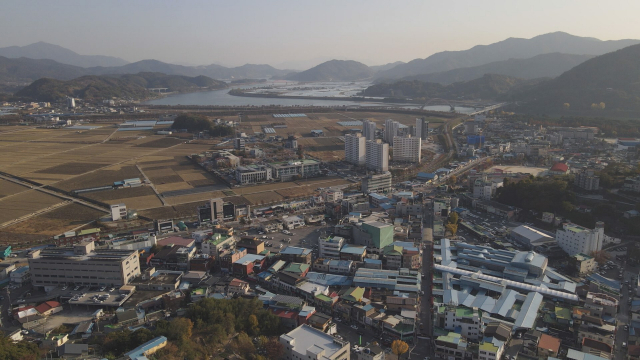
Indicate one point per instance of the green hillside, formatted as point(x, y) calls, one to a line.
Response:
point(612, 79)
point(121, 86)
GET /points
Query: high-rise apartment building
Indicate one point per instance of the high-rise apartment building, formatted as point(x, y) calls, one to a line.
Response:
point(377, 156)
point(407, 149)
point(587, 179)
point(422, 128)
point(575, 239)
point(354, 149)
point(369, 129)
point(391, 128)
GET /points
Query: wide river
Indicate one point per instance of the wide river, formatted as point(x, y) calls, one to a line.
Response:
point(222, 98)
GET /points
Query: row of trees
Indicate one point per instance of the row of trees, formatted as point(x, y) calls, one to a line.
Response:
point(22, 350)
point(198, 123)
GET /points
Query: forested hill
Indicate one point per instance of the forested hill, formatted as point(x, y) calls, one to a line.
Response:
point(605, 84)
point(489, 86)
point(121, 86)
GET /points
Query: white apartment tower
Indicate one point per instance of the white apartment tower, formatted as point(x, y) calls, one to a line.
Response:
point(575, 239)
point(354, 149)
point(391, 128)
point(422, 128)
point(369, 129)
point(407, 149)
point(377, 156)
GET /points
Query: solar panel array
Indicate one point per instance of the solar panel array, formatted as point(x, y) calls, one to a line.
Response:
point(269, 130)
point(289, 115)
point(350, 123)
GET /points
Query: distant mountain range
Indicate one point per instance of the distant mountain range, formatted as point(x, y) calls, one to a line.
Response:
point(511, 48)
point(334, 70)
point(539, 66)
point(119, 86)
point(612, 79)
point(43, 50)
point(489, 86)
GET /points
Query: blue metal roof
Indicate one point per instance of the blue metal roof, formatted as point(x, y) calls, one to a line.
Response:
point(529, 311)
point(612, 284)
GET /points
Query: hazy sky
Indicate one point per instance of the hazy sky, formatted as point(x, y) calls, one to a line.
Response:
point(235, 32)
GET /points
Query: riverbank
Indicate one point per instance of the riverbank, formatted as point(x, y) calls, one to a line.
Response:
point(334, 98)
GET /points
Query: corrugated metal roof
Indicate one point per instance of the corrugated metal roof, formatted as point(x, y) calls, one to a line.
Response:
point(527, 316)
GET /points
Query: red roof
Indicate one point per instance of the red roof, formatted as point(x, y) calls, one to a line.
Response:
point(549, 343)
point(287, 314)
point(46, 306)
point(560, 167)
point(175, 240)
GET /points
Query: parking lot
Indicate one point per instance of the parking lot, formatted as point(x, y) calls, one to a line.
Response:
point(306, 237)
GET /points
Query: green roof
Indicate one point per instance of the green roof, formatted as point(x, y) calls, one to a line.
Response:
point(297, 268)
point(576, 228)
point(464, 312)
point(324, 298)
point(488, 346)
point(217, 238)
point(88, 231)
point(198, 291)
point(451, 338)
point(563, 313)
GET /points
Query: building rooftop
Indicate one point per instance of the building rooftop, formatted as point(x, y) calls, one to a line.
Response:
point(141, 351)
point(353, 249)
point(249, 258)
point(296, 268)
point(176, 240)
point(550, 343)
point(306, 339)
point(292, 250)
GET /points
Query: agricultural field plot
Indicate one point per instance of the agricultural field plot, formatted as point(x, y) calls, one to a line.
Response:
point(161, 142)
point(175, 200)
point(49, 224)
point(25, 203)
point(139, 202)
point(187, 210)
point(8, 188)
point(264, 197)
point(70, 168)
point(119, 194)
point(323, 148)
point(102, 177)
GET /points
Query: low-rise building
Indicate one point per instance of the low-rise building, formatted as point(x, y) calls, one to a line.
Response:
point(452, 346)
point(329, 247)
point(238, 286)
point(253, 174)
point(379, 183)
point(601, 304)
point(83, 264)
point(296, 254)
point(342, 267)
point(271, 226)
point(218, 245)
point(292, 222)
point(286, 171)
point(584, 264)
point(306, 342)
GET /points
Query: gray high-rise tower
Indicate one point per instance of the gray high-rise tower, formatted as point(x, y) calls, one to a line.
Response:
point(422, 128)
point(369, 129)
